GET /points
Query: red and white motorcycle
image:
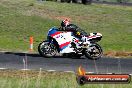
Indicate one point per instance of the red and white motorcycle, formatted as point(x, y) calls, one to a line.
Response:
point(67, 44)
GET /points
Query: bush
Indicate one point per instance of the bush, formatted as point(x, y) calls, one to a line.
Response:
point(51, 0)
point(122, 1)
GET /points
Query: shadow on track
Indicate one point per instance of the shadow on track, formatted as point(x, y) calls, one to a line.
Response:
point(23, 54)
point(37, 55)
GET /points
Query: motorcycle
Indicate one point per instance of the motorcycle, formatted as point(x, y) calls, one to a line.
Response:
point(66, 43)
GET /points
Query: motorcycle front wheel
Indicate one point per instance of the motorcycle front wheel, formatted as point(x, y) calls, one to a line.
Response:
point(46, 49)
point(94, 51)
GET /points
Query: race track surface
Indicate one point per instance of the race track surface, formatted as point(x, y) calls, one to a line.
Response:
point(35, 61)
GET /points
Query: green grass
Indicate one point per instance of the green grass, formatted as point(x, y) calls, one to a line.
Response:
point(20, 19)
point(43, 79)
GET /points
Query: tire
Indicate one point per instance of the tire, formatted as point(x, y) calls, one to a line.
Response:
point(74, 1)
point(68, 1)
point(47, 50)
point(91, 52)
point(62, 0)
point(87, 2)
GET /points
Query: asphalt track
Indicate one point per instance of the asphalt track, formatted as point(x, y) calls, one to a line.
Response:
point(11, 60)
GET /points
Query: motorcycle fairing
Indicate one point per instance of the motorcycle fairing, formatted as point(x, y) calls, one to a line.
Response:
point(94, 35)
point(62, 39)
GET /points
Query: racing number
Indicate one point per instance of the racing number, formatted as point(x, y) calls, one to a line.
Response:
point(61, 36)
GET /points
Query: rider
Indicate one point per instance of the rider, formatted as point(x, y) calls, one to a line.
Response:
point(79, 33)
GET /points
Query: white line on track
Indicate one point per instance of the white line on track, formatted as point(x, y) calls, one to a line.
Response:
point(3, 68)
point(51, 70)
point(25, 69)
point(56, 71)
point(70, 71)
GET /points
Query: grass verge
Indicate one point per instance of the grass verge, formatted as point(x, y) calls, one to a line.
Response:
point(20, 19)
point(43, 79)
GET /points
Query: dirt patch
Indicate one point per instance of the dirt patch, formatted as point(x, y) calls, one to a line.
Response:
point(118, 54)
point(30, 73)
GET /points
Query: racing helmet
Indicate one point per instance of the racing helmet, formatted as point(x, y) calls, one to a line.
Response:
point(65, 22)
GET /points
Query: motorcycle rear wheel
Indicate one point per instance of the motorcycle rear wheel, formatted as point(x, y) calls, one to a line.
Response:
point(94, 51)
point(46, 49)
